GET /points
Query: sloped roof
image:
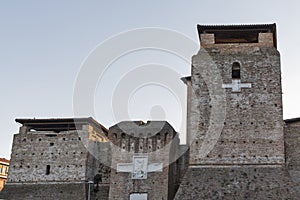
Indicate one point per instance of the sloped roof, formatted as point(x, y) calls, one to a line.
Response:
point(292, 120)
point(4, 160)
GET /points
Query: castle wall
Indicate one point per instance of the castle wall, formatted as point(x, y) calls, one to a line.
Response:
point(76, 191)
point(34, 151)
point(292, 150)
point(237, 183)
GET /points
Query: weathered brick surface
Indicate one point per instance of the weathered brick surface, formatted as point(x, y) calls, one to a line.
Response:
point(32, 152)
point(102, 193)
point(292, 149)
point(237, 183)
point(76, 191)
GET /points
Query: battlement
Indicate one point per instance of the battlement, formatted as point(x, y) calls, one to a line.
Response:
point(140, 137)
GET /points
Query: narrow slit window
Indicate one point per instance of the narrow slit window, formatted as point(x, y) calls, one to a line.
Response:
point(47, 169)
point(236, 70)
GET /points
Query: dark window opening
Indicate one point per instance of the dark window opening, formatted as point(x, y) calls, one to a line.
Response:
point(225, 37)
point(236, 70)
point(48, 170)
point(51, 135)
point(51, 144)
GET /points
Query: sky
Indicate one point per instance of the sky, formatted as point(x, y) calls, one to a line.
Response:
point(45, 44)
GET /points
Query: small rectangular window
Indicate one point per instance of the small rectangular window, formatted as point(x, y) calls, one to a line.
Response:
point(48, 170)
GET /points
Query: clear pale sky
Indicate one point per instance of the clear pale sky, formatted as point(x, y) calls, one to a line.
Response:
point(43, 44)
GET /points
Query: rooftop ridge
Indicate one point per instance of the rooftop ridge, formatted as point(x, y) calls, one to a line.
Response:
point(88, 120)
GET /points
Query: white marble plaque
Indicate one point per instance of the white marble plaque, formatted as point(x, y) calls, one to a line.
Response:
point(155, 167)
point(124, 167)
point(138, 196)
point(140, 167)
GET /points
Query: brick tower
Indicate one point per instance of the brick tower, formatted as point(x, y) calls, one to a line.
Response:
point(235, 124)
point(143, 160)
point(239, 104)
point(56, 159)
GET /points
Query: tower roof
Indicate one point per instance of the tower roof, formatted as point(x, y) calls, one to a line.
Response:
point(237, 33)
point(59, 124)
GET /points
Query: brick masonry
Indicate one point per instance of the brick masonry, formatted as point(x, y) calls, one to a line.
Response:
point(237, 183)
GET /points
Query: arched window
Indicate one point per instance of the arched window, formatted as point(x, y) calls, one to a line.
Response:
point(47, 169)
point(236, 70)
point(123, 135)
point(115, 136)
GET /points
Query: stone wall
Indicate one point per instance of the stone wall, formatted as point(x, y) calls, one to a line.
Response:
point(292, 150)
point(32, 152)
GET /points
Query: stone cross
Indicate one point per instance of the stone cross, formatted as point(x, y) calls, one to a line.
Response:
point(140, 167)
point(236, 85)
